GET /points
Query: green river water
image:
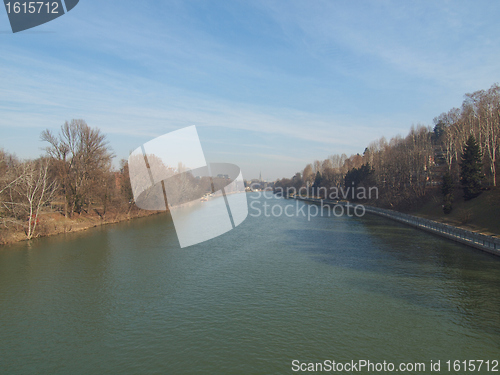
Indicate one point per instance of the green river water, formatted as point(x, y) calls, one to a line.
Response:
point(126, 299)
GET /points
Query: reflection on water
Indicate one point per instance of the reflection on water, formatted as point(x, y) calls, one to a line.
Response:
point(126, 299)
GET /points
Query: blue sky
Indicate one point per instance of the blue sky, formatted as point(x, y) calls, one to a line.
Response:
point(271, 85)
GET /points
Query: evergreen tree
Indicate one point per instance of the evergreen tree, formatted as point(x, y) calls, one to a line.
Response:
point(362, 176)
point(317, 183)
point(447, 190)
point(470, 164)
point(438, 132)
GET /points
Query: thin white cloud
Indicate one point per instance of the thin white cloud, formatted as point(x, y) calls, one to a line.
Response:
point(456, 44)
point(47, 101)
point(141, 72)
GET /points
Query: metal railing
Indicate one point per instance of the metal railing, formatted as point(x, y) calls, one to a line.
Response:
point(477, 240)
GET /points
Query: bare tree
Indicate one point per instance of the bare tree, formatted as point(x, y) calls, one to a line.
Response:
point(10, 176)
point(80, 155)
point(29, 190)
point(36, 189)
point(308, 174)
point(491, 128)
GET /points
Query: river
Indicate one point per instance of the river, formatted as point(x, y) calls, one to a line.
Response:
point(126, 299)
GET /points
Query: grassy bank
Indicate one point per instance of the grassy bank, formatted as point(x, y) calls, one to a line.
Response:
point(51, 224)
point(480, 214)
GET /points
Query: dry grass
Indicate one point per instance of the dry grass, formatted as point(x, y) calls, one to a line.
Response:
point(54, 223)
point(479, 214)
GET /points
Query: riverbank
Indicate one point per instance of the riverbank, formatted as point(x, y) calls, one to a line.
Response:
point(478, 215)
point(54, 223)
point(477, 240)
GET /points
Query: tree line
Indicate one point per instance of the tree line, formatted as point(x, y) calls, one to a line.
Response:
point(74, 177)
point(460, 150)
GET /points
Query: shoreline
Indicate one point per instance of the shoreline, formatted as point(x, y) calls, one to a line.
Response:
point(54, 224)
point(479, 241)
